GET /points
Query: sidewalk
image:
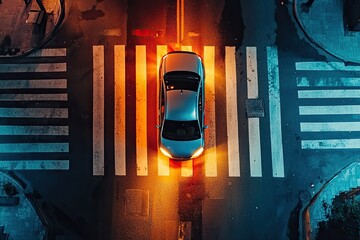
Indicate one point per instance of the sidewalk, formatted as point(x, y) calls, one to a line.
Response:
point(19, 219)
point(323, 26)
point(26, 25)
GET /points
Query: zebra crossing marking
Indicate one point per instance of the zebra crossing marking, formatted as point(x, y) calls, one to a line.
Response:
point(231, 113)
point(275, 113)
point(331, 144)
point(329, 126)
point(36, 83)
point(33, 147)
point(187, 167)
point(210, 133)
point(328, 82)
point(141, 111)
point(34, 97)
point(329, 110)
point(119, 110)
point(324, 66)
point(34, 112)
point(328, 93)
point(98, 110)
point(34, 164)
point(34, 130)
point(253, 123)
point(49, 52)
point(33, 67)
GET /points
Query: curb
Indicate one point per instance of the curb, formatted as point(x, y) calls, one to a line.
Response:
point(305, 231)
point(311, 40)
point(48, 38)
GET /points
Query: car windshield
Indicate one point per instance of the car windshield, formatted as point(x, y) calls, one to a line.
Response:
point(181, 130)
point(181, 80)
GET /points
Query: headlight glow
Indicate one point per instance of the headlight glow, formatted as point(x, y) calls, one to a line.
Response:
point(198, 152)
point(165, 152)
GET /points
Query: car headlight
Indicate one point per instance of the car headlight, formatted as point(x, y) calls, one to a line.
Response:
point(165, 152)
point(198, 152)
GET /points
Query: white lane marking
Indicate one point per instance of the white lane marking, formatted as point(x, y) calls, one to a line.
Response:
point(49, 52)
point(210, 133)
point(275, 113)
point(231, 113)
point(119, 110)
point(33, 67)
point(328, 82)
point(253, 123)
point(329, 110)
point(33, 147)
point(33, 130)
point(331, 144)
point(38, 83)
point(34, 97)
point(187, 166)
point(163, 162)
point(329, 126)
point(34, 164)
point(34, 112)
point(141, 111)
point(328, 93)
point(98, 110)
point(324, 66)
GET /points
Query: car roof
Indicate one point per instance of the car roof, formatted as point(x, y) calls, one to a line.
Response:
point(181, 105)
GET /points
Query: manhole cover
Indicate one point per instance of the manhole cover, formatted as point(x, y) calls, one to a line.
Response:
point(137, 202)
point(254, 108)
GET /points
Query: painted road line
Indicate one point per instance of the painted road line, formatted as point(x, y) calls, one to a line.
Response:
point(163, 162)
point(329, 110)
point(275, 113)
point(141, 111)
point(34, 112)
point(328, 93)
point(34, 164)
point(38, 83)
point(34, 130)
point(119, 110)
point(327, 82)
point(231, 113)
point(33, 67)
point(98, 110)
point(187, 166)
point(331, 144)
point(253, 123)
point(324, 66)
point(329, 126)
point(49, 52)
point(33, 147)
point(34, 97)
point(210, 133)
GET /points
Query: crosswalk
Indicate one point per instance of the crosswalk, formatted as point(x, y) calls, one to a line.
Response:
point(327, 97)
point(34, 126)
point(210, 159)
point(34, 120)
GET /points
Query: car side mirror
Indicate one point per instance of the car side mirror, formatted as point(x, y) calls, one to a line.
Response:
point(205, 127)
point(157, 126)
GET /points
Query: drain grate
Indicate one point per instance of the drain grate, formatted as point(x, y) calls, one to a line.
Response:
point(255, 108)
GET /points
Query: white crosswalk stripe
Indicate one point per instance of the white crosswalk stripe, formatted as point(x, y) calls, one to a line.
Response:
point(209, 157)
point(317, 131)
point(50, 105)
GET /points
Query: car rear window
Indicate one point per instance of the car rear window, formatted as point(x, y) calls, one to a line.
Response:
point(181, 80)
point(181, 130)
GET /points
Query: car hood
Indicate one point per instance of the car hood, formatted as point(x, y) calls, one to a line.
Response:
point(181, 105)
point(182, 149)
point(182, 62)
